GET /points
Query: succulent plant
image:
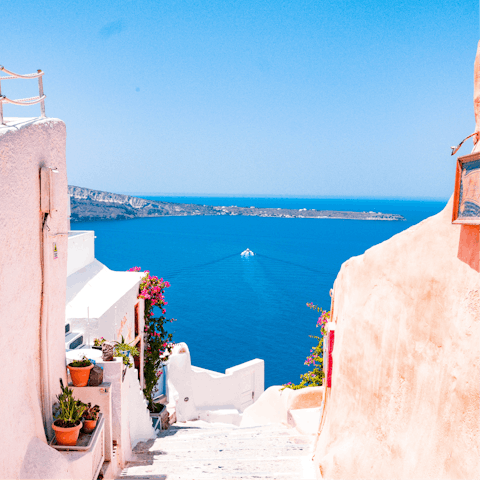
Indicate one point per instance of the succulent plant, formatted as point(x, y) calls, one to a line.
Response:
point(91, 413)
point(69, 411)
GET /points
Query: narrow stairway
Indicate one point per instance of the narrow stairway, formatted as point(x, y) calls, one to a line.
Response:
point(198, 450)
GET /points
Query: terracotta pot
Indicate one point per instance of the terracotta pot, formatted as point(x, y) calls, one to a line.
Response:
point(89, 425)
point(67, 436)
point(80, 375)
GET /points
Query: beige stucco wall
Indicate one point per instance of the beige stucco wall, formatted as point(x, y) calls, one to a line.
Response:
point(405, 401)
point(25, 146)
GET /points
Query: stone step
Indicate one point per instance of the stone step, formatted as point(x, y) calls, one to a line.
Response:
point(199, 450)
point(221, 452)
point(205, 443)
point(273, 467)
point(201, 428)
point(199, 434)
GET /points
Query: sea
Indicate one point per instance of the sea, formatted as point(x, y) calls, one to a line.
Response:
point(231, 309)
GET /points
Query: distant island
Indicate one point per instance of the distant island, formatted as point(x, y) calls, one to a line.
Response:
point(89, 205)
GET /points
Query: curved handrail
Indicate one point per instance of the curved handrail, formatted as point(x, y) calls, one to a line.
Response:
point(24, 102)
point(18, 75)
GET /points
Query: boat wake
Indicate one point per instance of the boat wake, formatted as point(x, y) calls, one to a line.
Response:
point(247, 253)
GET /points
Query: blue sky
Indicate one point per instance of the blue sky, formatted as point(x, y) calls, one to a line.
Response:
point(326, 98)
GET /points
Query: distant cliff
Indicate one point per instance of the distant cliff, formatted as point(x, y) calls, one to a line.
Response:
point(87, 205)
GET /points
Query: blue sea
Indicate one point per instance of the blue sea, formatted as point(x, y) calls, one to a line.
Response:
point(231, 309)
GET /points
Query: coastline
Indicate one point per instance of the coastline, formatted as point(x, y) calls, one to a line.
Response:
point(95, 205)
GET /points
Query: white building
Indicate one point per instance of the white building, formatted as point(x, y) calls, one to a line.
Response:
point(99, 301)
point(55, 296)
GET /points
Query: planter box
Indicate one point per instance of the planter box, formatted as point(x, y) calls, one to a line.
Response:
point(88, 454)
point(160, 420)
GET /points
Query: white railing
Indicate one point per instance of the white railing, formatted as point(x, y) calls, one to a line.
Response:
point(22, 101)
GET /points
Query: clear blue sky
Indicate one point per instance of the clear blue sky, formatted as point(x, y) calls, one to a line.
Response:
point(327, 98)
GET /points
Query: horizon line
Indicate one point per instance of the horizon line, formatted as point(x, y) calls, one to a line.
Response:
point(319, 197)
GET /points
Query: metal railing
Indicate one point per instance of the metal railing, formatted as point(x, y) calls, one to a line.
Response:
point(23, 101)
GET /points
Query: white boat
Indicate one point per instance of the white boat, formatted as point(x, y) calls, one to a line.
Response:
point(247, 253)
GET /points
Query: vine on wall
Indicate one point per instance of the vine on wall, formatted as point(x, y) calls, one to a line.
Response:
point(158, 342)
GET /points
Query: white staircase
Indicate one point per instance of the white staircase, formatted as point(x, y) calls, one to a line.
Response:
point(199, 450)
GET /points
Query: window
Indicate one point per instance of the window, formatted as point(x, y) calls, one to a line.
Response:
point(76, 343)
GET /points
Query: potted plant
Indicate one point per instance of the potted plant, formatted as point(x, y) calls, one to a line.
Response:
point(90, 417)
point(124, 349)
point(68, 416)
point(80, 371)
point(98, 342)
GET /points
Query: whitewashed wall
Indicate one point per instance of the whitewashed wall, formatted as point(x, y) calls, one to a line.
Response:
point(81, 250)
point(25, 146)
point(107, 297)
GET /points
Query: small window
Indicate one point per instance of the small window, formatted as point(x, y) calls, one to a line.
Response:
point(76, 343)
point(137, 327)
point(67, 328)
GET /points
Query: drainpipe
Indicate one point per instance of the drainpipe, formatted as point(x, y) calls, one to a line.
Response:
point(46, 207)
point(44, 367)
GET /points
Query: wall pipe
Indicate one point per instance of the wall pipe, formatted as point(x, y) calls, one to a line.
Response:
point(44, 364)
point(46, 207)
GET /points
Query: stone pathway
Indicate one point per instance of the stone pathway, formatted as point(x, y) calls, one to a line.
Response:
point(199, 450)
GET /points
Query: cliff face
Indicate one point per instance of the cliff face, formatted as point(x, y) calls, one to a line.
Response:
point(405, 396)
point(87, 204)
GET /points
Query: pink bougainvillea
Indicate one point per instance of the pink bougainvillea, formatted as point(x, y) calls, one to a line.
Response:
point(158, 342)
point(315, 376)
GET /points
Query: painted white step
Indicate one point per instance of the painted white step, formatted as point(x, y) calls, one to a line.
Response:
point(200, 450)
point(222, 415)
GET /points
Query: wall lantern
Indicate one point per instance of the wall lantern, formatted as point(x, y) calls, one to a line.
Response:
point(466, 198)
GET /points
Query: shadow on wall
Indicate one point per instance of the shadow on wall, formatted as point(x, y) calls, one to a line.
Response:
point(469, 246)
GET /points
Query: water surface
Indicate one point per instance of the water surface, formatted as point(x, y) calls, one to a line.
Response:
point(231, 309)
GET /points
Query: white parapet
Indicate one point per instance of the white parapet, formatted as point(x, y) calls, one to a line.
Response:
point(140, 423)
point(301, 408)
point(81, 250)
point(203, 394)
